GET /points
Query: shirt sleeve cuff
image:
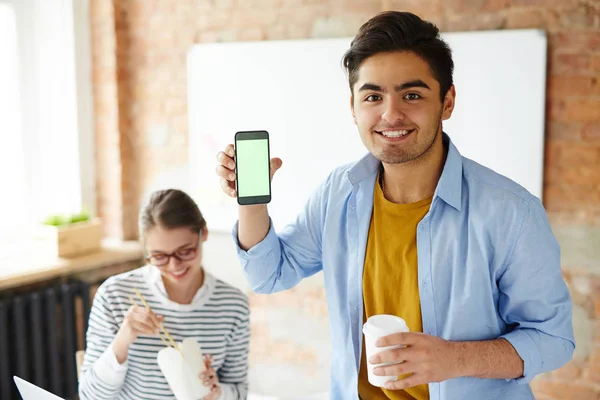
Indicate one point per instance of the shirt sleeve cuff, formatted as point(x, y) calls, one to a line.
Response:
point(526, 349)
point(108, 369)
point(262, 249)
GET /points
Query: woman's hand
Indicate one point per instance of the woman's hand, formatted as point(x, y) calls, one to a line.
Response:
point(210, 379)
point(138, 321)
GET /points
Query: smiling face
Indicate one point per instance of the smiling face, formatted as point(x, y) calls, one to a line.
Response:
point(180, 250)
point(396, 106)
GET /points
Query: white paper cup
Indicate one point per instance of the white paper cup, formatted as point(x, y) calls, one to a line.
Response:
point(378, 326)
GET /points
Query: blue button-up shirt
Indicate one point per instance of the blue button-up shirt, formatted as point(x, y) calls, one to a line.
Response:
point(488, 267)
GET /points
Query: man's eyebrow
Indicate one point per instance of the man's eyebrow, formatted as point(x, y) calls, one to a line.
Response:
point(370, 86)
point(406, 85)
point(412, 84)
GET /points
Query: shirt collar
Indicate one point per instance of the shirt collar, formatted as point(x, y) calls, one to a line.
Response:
point(449, 187)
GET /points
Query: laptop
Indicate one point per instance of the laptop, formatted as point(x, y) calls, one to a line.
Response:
point(31, 392)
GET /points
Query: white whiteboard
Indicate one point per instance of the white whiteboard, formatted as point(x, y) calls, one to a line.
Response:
point(297, 90)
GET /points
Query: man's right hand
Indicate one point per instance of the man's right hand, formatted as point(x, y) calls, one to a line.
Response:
point(226, 169)
point(254, 219)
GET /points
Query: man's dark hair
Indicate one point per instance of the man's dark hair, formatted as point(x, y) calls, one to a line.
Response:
point(401, 31)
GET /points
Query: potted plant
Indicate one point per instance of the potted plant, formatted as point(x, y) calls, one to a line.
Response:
point(73, 234)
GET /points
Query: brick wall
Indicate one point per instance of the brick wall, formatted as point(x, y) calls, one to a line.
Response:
point(139, 50)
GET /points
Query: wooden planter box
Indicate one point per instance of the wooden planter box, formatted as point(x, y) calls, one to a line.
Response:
point(75, 239)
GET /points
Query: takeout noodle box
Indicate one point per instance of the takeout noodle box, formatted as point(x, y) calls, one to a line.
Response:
point(182, 370)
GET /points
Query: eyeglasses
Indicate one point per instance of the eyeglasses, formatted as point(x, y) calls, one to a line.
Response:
point(162, 259)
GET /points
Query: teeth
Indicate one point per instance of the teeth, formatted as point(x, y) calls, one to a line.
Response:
point(180, 273)
point(394, 133)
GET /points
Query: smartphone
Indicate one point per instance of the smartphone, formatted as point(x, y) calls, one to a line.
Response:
point(252, 166)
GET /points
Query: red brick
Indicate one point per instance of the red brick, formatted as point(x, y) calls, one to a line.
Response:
point(569, 131)
point(579, 172)
point(253, 18)
point(474, 22)
point(304, 16)
point(526, 19)
point(584, 110)
point(579, 154)
point(556, 110)
point(364, 8)
point(251, 34)
point(209, 6)
point(576, 41)
point(579, 17)
point(462, 6)
point(595, 63)
point(561, 86)
point(554, 4)
point(591, 131)
point(257, 3)
point(297, 31)
point(552, 169)
point(559, 197)
point(595, 85)
point(576, 174)
point(552, 151)
point(570, 63)
point(213, 20)
point(430, 10)
point(276, 32)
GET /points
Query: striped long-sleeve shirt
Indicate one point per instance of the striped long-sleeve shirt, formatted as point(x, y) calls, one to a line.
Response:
point(218, 318)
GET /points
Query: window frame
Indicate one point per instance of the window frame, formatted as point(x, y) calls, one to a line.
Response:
point(28, 37)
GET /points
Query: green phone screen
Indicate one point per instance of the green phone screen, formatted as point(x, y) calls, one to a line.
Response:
point(252, 167)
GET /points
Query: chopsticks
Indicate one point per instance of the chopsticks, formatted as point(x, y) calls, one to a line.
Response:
point(165, 331)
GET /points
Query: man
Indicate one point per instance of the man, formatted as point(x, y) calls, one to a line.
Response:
point(463, 254)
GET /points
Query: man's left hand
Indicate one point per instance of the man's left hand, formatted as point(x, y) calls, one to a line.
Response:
point(425, 359)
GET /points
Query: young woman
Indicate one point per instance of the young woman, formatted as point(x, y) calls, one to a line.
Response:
point(122, 339)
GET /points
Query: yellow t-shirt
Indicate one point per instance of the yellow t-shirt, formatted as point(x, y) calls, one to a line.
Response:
point(390, 281)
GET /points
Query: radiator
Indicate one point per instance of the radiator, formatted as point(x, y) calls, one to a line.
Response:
point(40, 331)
